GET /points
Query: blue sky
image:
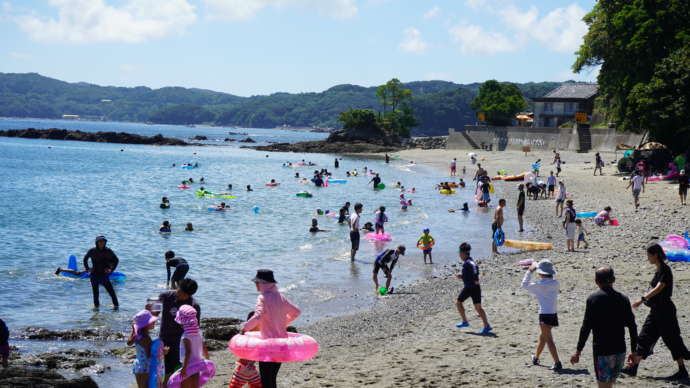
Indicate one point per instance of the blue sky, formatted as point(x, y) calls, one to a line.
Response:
point(249, 47)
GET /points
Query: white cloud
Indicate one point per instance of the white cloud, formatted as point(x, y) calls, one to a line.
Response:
point(473, 39)
point(560, 30)
point(86, 21)
point(432, 12)
point(18, 55)
point(248, 9)
point(412, 41)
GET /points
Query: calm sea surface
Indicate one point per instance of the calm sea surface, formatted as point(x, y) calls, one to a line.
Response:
point(58, 195)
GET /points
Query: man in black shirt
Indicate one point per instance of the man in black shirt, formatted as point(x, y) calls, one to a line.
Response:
point(607, 314)
point(171, 331)
point(104, 263)
point(181, 268)
point(521, 205)
point(377, 180)
point(386, 261)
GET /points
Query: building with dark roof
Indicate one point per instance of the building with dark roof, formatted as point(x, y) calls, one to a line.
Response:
point(563, 103)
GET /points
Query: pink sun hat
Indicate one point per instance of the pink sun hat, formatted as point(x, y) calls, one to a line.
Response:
point(186, 316)
point(143, 319)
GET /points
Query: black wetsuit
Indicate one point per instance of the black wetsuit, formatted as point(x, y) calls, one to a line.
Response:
point(376, 181)
point(102, 259)
point(171, 331)
point(181, 268)
point(384, 259)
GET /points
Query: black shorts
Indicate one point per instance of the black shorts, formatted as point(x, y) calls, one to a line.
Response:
point(520, 211)
point(682, 189)
point(180, 273)
point(378, 267)
point(549, 319)
point(552, 188)
point(354, 238)
point(558, 169)
point(494, 227)
point(471, 292)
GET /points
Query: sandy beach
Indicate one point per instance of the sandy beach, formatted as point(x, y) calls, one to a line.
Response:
point(409, 338)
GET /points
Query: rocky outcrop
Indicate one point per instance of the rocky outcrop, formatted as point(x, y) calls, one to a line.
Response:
point(340, 142)
point(199, 137)
point(98, 137)
point(428, 143)
point(39, 333)
point(36, 378)
point(247, 140)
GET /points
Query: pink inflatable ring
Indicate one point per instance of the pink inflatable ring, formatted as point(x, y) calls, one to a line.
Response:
point(379, 237)
point(296, 347)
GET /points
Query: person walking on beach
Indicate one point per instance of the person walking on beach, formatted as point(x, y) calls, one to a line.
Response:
point(569, 224)
point(273, 313)
point(551, 184)
point(557, 162)
point(662, 320)
point(598, 164)
point(386, 261)
point(453, 166)
point(683, 182)
point(637, 184)
point(560, 198)
point(471, 289)
point(170, 331)
point(607, 314)
point(181, 268)
point(546, 291)
point(104, 263)
point(354, 230)
point(521, 205)
point(497, 224)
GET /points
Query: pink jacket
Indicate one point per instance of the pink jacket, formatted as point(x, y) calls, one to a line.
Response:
point(273, 312)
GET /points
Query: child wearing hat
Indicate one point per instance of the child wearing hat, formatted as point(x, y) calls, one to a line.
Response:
point(140, 338)
point(196, 369)
point(546, 291)
point(425, 243)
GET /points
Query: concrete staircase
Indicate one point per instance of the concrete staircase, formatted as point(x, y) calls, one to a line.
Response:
point(469, 140)
point(584, 137)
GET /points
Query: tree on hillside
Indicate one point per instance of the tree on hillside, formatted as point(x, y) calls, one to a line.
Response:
point(397, 116)
point(499, 102)
point(637, 43)
point(359, 120)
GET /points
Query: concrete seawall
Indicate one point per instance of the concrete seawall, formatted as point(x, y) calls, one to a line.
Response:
point(514, 138)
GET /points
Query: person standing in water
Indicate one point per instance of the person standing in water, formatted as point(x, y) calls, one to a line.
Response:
point(381, 219)
point(453, 167)
point(388, 159)
point(354, 230)
point(521, 205)
point(471, 289)
point(104, 263)
point(181, 268)
point(662, 320)
point(497, 224)
point(377, 180)
point(337, 163)
point(607, 314)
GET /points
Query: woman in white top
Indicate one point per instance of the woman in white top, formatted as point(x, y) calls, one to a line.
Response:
point(546, 291)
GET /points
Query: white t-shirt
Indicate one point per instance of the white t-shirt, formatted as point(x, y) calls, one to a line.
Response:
point(354, 222)
point(452, 163)
point(637, 182)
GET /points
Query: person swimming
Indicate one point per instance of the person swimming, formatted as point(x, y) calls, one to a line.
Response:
point(165, 203)
point(249, 188)
point(189, 227)
point(190, 180)
point(201, 180)
point(315, 227)
point(369, 227)
point(296, 175)
point(229, 187)
point(165, 227)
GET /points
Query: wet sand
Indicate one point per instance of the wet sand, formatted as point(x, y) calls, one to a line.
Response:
point(409, 338)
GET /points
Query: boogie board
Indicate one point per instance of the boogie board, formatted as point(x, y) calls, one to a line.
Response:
point(72, 265)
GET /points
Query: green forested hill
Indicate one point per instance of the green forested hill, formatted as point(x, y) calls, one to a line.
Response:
point(438, 105)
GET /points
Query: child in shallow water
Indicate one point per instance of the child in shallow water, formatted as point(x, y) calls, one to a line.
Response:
point(139, 337)
point(381, 219)
point(165, 228)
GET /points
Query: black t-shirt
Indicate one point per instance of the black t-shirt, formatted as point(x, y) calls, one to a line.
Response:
point(171, 331)
point(485, 188)
point(4, 333)
point(174, 262)
point(607, 314)
point(521, 201)
point(376, 181)
point(313, 229)
point(663, 275)
point(684, 180)
point(102, 259)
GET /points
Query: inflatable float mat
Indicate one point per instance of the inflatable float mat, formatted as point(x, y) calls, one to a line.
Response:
point(72, 265)
point(680, 255)
point(304, 195)
point(497, 178)
point(157, 366)
point(188, 167)
point(528, 245)
point(378, 237)
point(448, 191)
point(272, 184)
point(514, 177)
point(184, 187)
point(296, 347)
point(586, 215)
point(220, 196)
point(200, 193)
point(216, 208)
point(337, 181)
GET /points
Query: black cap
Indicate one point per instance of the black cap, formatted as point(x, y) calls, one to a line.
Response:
point(264, 276)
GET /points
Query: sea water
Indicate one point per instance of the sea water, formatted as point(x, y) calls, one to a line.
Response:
point(57, 196)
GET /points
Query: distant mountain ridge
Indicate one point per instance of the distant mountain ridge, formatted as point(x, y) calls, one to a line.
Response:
point(438, 105)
